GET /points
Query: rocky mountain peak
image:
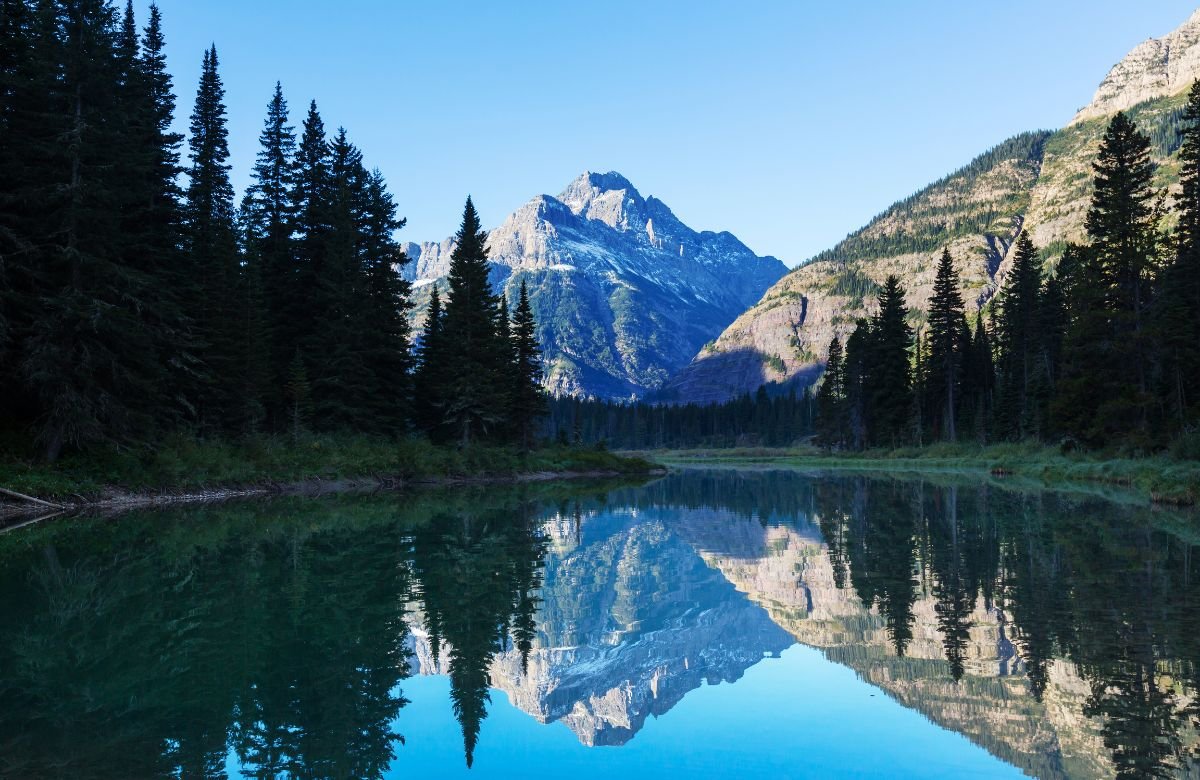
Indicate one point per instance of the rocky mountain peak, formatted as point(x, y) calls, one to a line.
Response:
point(605, 197)
point(623, 291)
point(1158, 67)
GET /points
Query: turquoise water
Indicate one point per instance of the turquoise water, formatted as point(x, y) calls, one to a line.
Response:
point(710, 624)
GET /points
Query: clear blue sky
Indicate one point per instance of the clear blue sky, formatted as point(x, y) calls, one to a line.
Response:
point(786, 123)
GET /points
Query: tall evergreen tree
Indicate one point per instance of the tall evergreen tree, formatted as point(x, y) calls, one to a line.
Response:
point(979, 380)
point(429, 379)
point(860, 379)
point(528, 398)
point(213, 262)
point(1087, 341)
point(831, 399)
point(1018, 331)
point(1122, 225)
point(890, 397)
point(1178, 312)
point(311, 228)
point(1053, 317)
point(476, 357)
point(342, 381)
point(267, 224)
point(385, 308)
point(32, 120)
point(152, 215)
point(944, 362)
point(1110, 370)
point(86, 357)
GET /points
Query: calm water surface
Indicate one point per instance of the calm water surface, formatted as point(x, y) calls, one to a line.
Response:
point(738, 624)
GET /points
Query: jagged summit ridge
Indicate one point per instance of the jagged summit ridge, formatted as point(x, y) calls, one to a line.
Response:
point(1157, 67)
point(624, 292)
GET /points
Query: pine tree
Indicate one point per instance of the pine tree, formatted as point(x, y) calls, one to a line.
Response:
point(890, 394)
point(1104, 394)
point(254, 379)
point(429, 381)
point(475, 355)
point(267, 222)
point(1053, 319)
point(831, 397)
point(32, 120)
point(528, 397)
point(508, 370)
point(213, 261)
point(1019, 349)
point(944, 361)
point(859, 378)
point(151, 214)
point(88, 363)
point(979, 379)
point(310, 198)
point(385, 308)
point(1177, 319)
point(918, 388)
point(1122, 226)
point(1087, 341)
point(342, 381)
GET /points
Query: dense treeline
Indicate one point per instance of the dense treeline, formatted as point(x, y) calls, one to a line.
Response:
point(773, 419)
point(1104, 351)
point(138, 298)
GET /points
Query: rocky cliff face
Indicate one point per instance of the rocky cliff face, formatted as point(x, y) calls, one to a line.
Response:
point(1158, 67)
point(624, 292)
point(1040, 182)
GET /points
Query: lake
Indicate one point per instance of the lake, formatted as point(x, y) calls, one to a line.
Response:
point(712, 623)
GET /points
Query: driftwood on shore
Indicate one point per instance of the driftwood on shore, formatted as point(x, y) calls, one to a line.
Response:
point(115, 502)
point(29, 499)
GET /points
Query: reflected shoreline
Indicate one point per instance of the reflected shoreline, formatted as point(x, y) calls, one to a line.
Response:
point(1058, 632)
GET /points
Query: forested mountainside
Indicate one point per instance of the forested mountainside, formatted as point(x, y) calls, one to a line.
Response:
point(1039, 182)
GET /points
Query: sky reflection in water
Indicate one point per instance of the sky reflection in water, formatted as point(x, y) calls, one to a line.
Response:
point(764, 623)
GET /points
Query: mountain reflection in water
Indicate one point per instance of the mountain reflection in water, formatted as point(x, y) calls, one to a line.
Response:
point(1058, 632)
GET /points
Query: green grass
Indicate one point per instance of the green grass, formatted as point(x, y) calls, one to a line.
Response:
point(186, 464)
point(1161, 478)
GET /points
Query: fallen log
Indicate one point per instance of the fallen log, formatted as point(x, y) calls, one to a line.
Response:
point(30, 499)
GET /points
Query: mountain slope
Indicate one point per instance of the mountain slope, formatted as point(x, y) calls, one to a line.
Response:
point(1040, 182)
point(976, 211)
point(624, 292)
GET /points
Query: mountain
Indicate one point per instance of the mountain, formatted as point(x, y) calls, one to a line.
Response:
point(1038, 182)
point(624, 292)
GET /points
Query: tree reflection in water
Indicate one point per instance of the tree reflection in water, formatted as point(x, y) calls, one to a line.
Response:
point(160, 644)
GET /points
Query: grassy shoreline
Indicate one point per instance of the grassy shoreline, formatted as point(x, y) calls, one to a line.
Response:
point(1159, 479)
point(183, 468)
